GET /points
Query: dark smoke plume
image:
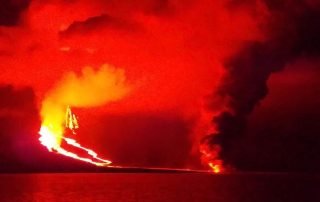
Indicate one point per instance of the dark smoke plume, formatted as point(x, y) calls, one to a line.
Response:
point(10, 11)
point(294, 33)
point(95, 23)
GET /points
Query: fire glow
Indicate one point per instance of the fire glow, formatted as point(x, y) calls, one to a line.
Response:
point(210, 157)
point(51, 138)
point(92, 88)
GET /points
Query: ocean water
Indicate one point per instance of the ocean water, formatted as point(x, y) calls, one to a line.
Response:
point(160, 187)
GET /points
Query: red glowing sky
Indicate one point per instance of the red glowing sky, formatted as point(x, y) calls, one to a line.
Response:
point(174, 58)
point(173, 52)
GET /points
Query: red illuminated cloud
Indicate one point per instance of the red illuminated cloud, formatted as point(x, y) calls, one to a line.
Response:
point(174, 57)
point(194, 59)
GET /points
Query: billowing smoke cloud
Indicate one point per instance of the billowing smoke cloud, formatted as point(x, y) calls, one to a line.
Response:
point(91, 89)
point(291, 33)
point(202, 65)
point(11, 11)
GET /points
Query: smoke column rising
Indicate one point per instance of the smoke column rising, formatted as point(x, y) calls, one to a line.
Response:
point(291, 33)
point(90, 89)
point(205, 61)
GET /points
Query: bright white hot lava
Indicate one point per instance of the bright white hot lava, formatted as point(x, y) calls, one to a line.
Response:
point(50, 139)
point(92, 87)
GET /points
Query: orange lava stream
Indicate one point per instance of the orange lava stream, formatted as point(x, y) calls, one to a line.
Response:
point(93, 154)
point(50, 139)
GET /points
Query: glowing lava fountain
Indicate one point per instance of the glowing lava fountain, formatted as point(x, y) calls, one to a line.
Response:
point(50, 139)
point(92, 88)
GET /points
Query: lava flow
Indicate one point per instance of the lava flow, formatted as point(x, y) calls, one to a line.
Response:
point(52, 135)
point(92, 88)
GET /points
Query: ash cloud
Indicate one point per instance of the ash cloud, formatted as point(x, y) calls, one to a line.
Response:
point(177, 51)
point(96, 23)
point(293, 33)
point(282, 133)
point(11, 10)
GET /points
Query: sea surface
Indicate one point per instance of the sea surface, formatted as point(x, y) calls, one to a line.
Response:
point(160, 187)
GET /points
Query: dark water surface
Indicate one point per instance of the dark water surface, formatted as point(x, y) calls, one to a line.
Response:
point(153, 187)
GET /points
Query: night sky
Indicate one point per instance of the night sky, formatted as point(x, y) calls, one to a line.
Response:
point(237, 78)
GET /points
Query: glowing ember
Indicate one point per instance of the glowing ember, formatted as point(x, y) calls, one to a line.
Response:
point(210, 157)
point(51, 138)
point(215, 167)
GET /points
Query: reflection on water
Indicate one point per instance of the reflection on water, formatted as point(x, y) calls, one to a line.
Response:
point(159, 187)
